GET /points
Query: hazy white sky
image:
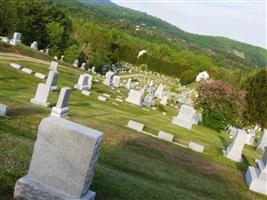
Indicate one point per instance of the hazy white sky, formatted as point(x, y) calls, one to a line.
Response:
point(242, 20)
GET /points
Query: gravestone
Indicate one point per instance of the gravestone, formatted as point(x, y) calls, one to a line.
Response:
point(164, 100)
point(148, 100)
point(39, 75)
point(129, 84)
point(93, 70)
point(82, 82)
point(234, 150)
point(116, 81)
point(75, 63)
point(5, 39)
point(83, 66)
point(185, 117)
point(16, 66)
point(3, 109)
point(196, 147)
point(135, 97)
point(263, 143)
point(232, 131)
point(52, 80)
point(16, 39)
point(27, 70)
point(86, 92)
point(256, 177)
point(159, 92)
point(61, 109)
point(41, 95)
point(101, 98)
point(165, 136)
point(34, 45)
point(109, 78)
point(63, 161)
point(135, 125)
point(53, 66)
point(90, 82)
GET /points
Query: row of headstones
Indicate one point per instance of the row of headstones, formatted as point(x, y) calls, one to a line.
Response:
point(165, 136)
point(27, 70)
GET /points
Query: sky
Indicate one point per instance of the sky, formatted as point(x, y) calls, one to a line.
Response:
point(242, 20)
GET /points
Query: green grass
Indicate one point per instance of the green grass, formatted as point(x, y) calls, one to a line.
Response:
point(131, 165)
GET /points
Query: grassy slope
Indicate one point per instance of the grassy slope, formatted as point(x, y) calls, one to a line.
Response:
point(131, 165)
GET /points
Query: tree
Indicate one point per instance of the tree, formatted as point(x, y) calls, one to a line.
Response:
point(188, 76)
point(220, 102)
point(256, 99)
point(8, 17)
point(55, 32)
point(71, 53)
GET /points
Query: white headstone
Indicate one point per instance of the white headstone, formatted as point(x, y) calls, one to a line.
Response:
point(196, 147)
point(263, 142)
point(164, 100)
point(165, 136)
point(27, 70)
point(41, 95)
point(93, 70)
point(129, 84)
point(185, 117)
point(63, 161)
point(135, 97)
point(53, 66)
point(256, 177)
point(61, 109)
point(82, 82)
point(5, 39)
point(234, 150)
point(75, 63)
point(101, 98)
point(34, 45)
point(148, 100)
point(52, 80)
point(109, 78)
point(16, 39)
point(86, 92)
point(159, 92)
point(3, 109)
point(16, 66)
point(135, 125)
point(116, 81)
point(39, 75)
point(83, 66)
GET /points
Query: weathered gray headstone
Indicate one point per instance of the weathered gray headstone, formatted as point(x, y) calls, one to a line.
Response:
point(234, 150)
point(41, 95)
point(116, 81)
point(52, 80)
point(109, 78)
point(61, 109)
point(135, 125)
point(82, 82)
point(16, 39)
point(256, 177)
point(3, 109)
point(185, 117)
point(63, 162)
point(34, 45)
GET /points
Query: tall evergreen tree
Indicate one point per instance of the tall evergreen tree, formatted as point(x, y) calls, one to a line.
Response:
point(256, 99)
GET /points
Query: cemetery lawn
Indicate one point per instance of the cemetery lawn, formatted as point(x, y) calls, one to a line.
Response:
point(131, 165)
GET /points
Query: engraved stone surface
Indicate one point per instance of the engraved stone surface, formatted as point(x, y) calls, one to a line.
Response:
point(63, 161)
point(196, 147)
point(135, 97)
point(61, 109)
point(27, 70)
point(41, 95)
point(52, 80)
point(16, 66)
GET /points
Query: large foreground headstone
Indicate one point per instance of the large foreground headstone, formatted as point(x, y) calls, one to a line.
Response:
point(41, 95)
point(3, 109)
point(135, 125)
point(234, 150)
point(185, 117)
point(61, 109)
point(263, 142)
point(135, 97)
point(256, 177)
point(63, 162)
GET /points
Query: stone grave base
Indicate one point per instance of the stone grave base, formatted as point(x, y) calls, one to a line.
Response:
point(60, 112)
point(29, 189)
point(254, 182)
point(34, 101)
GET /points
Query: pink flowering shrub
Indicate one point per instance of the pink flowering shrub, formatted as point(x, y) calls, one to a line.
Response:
point(221, 103)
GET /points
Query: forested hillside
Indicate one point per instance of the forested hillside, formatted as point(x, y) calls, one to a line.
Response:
point(104, 33)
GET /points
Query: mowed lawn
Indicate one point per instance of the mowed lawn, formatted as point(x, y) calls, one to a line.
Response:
point(131, 165)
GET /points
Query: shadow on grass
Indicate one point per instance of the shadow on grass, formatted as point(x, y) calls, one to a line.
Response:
point(24, 111)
